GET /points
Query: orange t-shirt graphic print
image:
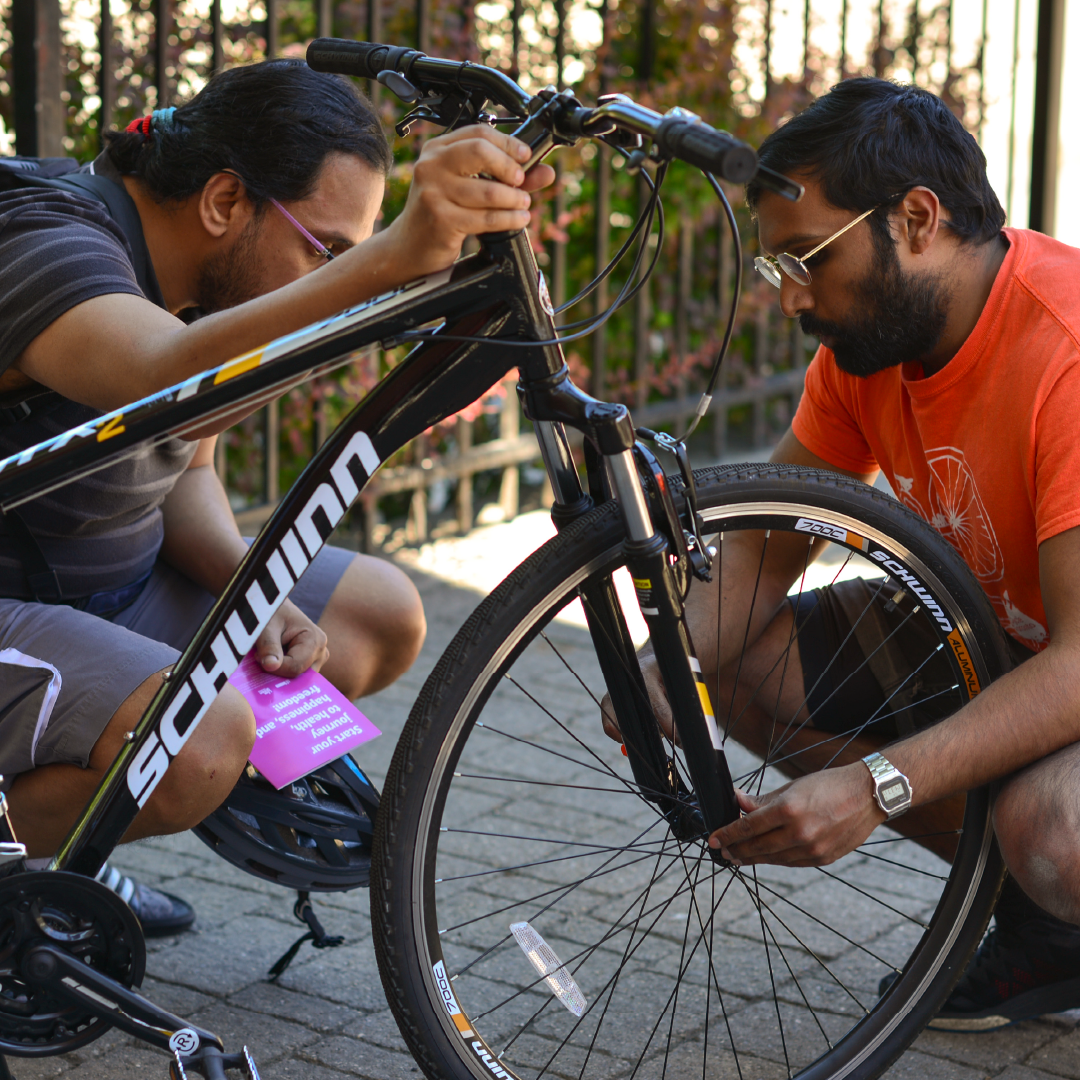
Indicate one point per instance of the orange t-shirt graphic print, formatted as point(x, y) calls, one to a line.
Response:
point(988, 449)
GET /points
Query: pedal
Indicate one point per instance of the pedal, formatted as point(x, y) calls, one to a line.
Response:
point(211, 1064)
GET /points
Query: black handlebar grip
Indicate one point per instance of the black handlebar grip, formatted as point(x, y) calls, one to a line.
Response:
point(708, 149)
point(364, 59)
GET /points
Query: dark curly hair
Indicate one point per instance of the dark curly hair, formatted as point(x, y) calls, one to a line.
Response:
point(272, 123)
point(870, 141)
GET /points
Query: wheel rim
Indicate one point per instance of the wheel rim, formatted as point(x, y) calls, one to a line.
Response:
point(697, 970)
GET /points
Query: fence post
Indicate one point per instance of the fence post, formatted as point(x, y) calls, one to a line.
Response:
point(272, 21)
point(162, 25)
point(682, 308)
point(761, 355)
point(217, 57)
point(106, 75)
point(38, 78)
point(509, 428)
point(272, 452)
point(464, 488)
point(723, 301)
point(324, 18)
point(1046, 127)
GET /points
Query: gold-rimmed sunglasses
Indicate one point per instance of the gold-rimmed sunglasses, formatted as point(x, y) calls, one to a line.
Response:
point(769, 266)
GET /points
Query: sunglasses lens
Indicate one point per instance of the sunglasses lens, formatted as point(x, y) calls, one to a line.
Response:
point(794, 268)
point(767, 270)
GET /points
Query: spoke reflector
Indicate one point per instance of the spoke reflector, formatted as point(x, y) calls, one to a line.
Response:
point(542, 957)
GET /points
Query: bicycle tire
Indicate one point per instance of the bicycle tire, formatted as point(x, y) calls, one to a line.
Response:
point(470, 1005)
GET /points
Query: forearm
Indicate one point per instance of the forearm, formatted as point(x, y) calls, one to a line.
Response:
point(201, 537)
point(152, 349)
point(1022, 717)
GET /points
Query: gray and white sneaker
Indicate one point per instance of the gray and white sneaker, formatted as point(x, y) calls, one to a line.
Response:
point(160, 913)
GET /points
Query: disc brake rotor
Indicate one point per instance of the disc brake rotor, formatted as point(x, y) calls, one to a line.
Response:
point(80, 916)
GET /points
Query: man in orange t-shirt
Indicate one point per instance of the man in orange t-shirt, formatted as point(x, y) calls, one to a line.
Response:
point(950, 361)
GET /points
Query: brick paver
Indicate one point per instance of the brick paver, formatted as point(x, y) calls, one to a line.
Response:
point(328, 1019)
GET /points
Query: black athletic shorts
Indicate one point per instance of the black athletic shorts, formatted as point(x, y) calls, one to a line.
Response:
point(870, 664)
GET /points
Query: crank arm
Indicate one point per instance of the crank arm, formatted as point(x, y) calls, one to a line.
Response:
point(54, 970)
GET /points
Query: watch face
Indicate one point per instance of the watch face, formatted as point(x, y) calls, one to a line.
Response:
point(893, 794)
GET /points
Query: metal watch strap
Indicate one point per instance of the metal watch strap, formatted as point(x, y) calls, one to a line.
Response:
point(882, 770)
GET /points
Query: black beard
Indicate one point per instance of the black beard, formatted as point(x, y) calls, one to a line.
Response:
point(902, 317)
point(230, 277)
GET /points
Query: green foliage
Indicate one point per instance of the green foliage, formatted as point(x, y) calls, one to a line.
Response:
point(704, 55)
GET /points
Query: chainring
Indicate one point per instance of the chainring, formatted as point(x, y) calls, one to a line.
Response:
point(86, 920)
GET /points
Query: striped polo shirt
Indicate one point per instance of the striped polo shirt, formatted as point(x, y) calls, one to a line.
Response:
point(102, 532)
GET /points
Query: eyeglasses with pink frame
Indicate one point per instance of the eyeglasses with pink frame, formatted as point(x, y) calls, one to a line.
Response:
point(320, 247)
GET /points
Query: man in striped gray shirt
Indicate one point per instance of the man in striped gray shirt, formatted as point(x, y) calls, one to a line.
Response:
point(252, 206)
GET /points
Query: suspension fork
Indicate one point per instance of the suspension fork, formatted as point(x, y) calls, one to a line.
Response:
point(551, 402)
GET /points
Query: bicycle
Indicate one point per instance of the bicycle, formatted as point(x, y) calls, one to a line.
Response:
point(642, 935)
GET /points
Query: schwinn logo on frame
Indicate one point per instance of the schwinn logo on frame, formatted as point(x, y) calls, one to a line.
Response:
point(251, 612)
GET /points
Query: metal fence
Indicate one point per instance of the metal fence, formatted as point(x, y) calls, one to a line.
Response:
point(805, 46)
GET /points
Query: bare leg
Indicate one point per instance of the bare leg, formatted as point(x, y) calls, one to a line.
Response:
point(375, 624)
point(1037, 821)
point(46, 802)
point(767, 714)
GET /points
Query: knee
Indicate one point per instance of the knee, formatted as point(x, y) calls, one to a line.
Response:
point(376, 626)
point(404, 627)
point(208, 766)
point(1039, 847)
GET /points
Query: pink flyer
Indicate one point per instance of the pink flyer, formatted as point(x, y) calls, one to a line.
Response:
point(300, 724)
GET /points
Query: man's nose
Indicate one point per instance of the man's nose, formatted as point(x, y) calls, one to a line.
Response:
point(795, 299)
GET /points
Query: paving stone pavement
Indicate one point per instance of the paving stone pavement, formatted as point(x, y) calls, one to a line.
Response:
point(328, 1019)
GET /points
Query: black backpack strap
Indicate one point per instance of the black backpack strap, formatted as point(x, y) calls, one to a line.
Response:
point(122, 210)
point(40, 576)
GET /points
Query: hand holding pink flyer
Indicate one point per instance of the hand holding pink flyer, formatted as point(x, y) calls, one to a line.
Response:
point(300, 723)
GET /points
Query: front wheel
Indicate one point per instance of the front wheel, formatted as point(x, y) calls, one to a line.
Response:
point(534, 915)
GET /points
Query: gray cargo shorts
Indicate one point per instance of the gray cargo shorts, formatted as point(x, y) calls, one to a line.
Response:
point(64, 673)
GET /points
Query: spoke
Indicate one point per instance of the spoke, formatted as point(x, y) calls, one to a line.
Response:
point(746, 635)
point(772, 977)
point(915, 837)
point(828, 970)
point(903, 866)
point(786, 656)
point(567, 891)
point(587, 952)
point(795, 980)
point(547, 892)
point(546, 862)
point(848, 735)
point(870, 896)
point(546, 783)
point(627, 953)
point(831, 929)
point(606, 770)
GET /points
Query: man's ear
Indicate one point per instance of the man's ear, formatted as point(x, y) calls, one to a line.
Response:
point(224, 205)
point(918, 218)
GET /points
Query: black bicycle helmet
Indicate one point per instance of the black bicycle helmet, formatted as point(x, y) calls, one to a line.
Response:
point(314, 834)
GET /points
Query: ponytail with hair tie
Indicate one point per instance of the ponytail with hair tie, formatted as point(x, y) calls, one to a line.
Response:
point(162, 120)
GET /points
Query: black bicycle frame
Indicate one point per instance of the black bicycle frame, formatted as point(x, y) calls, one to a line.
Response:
point(498, 291)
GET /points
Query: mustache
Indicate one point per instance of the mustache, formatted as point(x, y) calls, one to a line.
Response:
point(820, 327)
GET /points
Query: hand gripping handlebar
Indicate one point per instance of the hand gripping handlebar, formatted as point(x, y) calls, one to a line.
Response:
point(676, 136)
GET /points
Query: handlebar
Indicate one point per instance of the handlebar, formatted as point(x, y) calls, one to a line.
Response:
point(678, 135)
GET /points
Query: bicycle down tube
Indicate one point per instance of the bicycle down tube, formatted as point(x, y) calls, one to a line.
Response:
point(496, 291)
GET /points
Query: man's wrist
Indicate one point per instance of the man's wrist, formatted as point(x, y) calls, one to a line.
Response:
point(891, 789)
